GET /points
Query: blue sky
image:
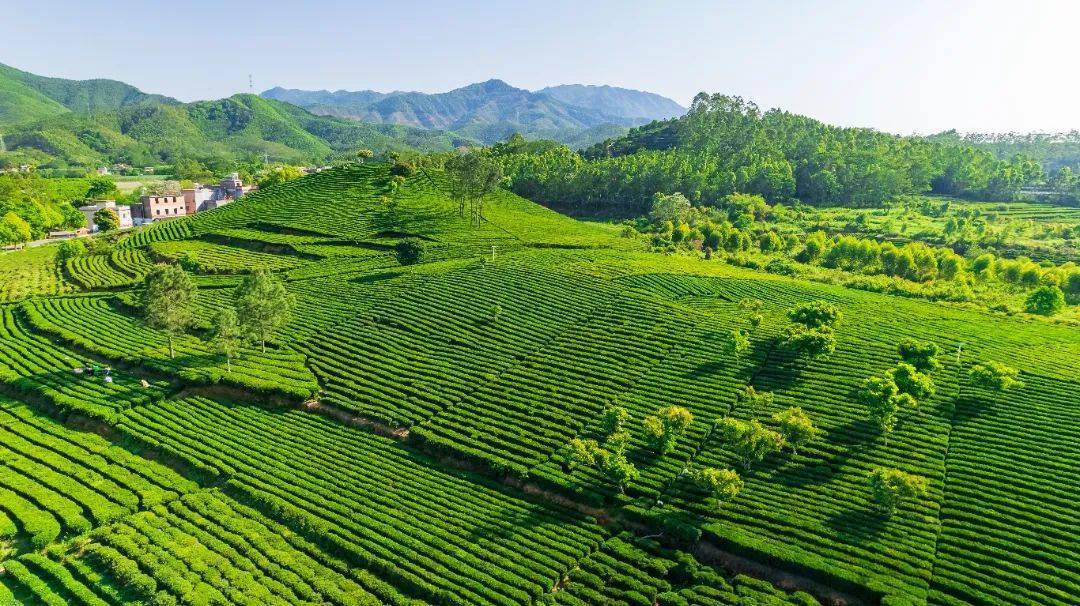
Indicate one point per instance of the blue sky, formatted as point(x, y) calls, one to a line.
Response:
point(909, 66)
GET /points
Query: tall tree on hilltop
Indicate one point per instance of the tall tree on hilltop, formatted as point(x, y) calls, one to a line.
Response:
point(472, 176)
point(168, 300)
point(226, 335)
point(263, 306)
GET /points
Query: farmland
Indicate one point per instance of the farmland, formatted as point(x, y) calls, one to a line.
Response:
point(408, 435)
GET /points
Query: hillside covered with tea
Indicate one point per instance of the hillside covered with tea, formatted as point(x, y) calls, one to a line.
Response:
point(482, 401)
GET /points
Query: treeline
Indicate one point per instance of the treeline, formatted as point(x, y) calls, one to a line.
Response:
point(1053, 150)
point(741, 227)
point(31, 206)
point(726, 145)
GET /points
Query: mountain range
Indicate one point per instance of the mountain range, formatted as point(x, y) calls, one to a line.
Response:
point(66, 124)
point(491, 111)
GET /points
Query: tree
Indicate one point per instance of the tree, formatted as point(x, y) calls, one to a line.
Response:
point(191, 169)
point(616, 468)
point(471, 176)
point(610, 462)
point(281, 173)
point(749, 440)
point(755, 401)
point(402, 168)
point(69, 249)
point(808, 342)
point(796, 427)
point(101, 188)
point(614, 419)
point(409, 251)
point(225, 335)
point(723, 484)
point(816, 315)
point(923, 356)
point(994, 376)
point(106, 219)
point(669, 207)
point(168, 300)
point(912, 382)
point(890, 487)
point(1045, 301)
point(263, 306)
point(362, 155)
point(735, 342)
point(663, 429)
point(13, 229)
point(880, 396)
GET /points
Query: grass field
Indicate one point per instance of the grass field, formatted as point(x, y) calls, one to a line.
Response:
point(450, 393)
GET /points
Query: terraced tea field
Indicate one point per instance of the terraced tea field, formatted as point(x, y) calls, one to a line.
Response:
point(407, 436)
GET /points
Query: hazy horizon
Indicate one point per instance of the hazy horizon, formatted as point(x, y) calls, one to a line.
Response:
point(916, 68)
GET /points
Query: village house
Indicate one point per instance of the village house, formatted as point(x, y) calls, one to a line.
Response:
point(154, 208)
point(191, 200)
point(123, 212)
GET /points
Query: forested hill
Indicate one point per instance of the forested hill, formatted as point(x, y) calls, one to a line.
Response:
point(219, 131)
point(725, 145)
point(25, 96)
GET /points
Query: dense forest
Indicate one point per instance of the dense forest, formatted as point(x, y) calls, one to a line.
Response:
point(725, 145)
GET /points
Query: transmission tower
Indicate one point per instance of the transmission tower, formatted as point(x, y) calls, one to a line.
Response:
point(251, 85)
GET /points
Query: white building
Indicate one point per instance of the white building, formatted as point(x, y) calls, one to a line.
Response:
point(123, 212)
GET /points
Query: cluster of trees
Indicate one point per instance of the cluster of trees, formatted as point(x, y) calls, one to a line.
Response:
point(31, 206)
point(470, 177)
point(725, 145)
point(661, 432)
point(900, 391)
point(1059, 154)
point(901, 388)
point(811, 332)
point(739, 225)
point(749, 440)
point(261, 307)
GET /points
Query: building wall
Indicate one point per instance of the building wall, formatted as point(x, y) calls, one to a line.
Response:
point(123, 212)
point(195, 198)
point(155, 208)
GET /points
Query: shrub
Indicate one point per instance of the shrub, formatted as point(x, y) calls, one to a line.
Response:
point(912, 382)
point(1045, 301)
point(994, 375)
point(920, 355)
point(663, 429)
point(816, 315)
point(808, 342)
point(890, 487)
point(409, 251)
point(70, 249)
point(402, 168)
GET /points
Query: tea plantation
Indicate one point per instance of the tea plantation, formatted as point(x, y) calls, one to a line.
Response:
point(412, 434)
